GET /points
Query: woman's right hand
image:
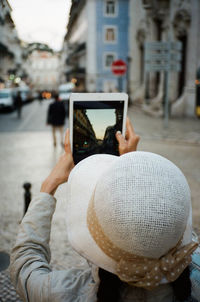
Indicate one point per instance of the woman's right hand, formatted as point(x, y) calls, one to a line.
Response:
point(131, 140)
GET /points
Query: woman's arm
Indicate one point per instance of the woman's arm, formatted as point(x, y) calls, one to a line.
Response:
point(30, 256)
point(30, 269)
point(61, 171)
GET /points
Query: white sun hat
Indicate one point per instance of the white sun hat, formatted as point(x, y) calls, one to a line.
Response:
point(131, 215)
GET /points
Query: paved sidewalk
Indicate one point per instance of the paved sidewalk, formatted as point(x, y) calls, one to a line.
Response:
point(29, 156)
point(181, 130)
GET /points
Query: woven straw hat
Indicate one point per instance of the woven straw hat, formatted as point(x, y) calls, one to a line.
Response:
point(129, 208)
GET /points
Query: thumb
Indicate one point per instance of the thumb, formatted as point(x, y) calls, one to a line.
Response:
point(67, 144)
point(122, 142)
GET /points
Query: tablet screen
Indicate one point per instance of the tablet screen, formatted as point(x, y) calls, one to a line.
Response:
point(94, 126)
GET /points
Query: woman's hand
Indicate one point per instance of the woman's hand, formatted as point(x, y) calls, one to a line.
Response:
point(61, 171)
point(131, 140)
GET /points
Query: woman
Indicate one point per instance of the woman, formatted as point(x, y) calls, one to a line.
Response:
point(130, 216)
point(56, 118)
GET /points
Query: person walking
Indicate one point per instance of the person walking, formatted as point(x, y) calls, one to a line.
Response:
point(18, 104)
point(56, 118)
point(128, 215)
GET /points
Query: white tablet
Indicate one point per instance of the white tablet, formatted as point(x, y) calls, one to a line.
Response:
point(94, 118)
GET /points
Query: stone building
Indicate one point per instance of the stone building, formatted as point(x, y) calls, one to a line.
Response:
point(10, 46)
point(84, 129)
point(42, 67)
point(164, 20)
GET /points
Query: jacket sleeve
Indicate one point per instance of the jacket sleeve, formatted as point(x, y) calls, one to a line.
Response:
point(195, 274)
point(31, 252)
point(30, 271)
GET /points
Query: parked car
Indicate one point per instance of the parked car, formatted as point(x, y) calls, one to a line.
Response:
point(7, 99)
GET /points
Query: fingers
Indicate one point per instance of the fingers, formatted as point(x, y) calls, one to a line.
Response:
point(67, 144)
point(129, 129)
point(133, 142)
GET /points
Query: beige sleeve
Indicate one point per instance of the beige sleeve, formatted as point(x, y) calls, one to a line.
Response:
point(31, 252)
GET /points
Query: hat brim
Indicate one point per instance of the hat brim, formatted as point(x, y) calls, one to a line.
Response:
point(81, 185)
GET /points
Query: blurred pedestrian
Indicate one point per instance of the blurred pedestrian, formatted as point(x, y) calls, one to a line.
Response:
point(18, 104)
point(39, 96)
point(56, 118)
point(129, 215)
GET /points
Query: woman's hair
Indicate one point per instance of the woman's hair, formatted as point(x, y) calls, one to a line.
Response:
point(182, 285)
point(110, 285)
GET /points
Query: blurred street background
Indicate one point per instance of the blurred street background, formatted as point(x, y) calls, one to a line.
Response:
point(146, 48)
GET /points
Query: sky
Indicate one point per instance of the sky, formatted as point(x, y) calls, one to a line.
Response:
point(100, 120)
point(41, 20)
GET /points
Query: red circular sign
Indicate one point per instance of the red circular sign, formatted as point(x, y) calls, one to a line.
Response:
point(119, 67)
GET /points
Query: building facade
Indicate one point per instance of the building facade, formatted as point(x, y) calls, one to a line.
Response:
point(112, 25)
point(97, 35)
point(42, 67)
point(10, 46)
point(101, 31)
point(174, 20)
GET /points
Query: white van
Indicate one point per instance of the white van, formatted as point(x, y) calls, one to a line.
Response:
point(6, 98)
point(65, 90)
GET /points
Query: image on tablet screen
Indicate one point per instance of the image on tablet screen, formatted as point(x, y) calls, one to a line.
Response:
point(94, 127)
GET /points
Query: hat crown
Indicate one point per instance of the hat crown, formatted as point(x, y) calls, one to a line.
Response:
point(142, 203)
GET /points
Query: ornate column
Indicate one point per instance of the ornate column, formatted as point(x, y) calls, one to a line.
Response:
point(192, 59)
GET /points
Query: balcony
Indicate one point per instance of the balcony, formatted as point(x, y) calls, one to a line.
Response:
point(77, 72)
point(75, 52)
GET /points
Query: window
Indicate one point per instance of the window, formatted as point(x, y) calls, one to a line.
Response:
point(110, 7)
point(110, 34)
point(108, 59)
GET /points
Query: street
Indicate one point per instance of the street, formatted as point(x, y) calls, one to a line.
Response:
point(28, 122)
point(27, 155)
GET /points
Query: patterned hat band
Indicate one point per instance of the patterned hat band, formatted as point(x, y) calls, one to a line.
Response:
point(136, 270)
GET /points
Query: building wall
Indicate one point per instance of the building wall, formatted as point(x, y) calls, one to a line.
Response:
point(105, 79)
point(180, 21)
point(137, 36)
point(78, 33)
point(193, 58)
point(11, 59)
point(91, 46)
point(75, 60)
point(43, 70)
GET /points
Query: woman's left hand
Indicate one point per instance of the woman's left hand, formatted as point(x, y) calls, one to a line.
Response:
point(61, 171)
point(130, 141)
